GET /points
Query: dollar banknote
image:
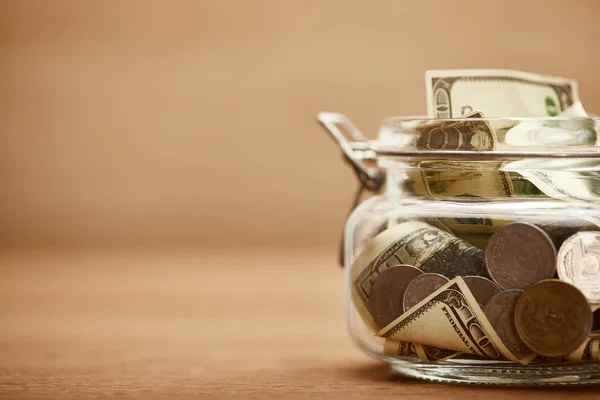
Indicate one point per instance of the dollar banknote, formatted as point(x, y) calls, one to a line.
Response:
point(498, 93)
point(423, 352)
point(399, 348)
point(578, 130)
point(522, 187)
point(559, 133)
point(434, 354)
point(461, 179)
point(576, 110)
point(450, 318)
point(467, 181)
point(414, 243)
point(564, 179)
point(473, 134)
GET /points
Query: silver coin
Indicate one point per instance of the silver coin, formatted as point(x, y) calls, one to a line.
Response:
point(579, 263)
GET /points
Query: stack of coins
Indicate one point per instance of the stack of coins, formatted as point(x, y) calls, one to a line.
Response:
point(540, 302)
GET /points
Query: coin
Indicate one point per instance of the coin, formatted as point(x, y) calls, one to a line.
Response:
point(500, 311)
point(553, 318)
point(387, 295)
point(579, 263)
point(520, 254)
point(482, 289)
point(421, 287)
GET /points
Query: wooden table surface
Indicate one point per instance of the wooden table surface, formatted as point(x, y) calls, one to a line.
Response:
point(178, 324)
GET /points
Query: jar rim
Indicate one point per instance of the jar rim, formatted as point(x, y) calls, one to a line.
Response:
point(427, 119)
point(373, 149)
point(476, 137)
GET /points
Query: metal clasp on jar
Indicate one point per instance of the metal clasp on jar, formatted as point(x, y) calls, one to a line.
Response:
point(371, 178)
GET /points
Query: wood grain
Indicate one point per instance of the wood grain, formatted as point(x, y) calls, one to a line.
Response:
point(193, 122)
point(182, 324)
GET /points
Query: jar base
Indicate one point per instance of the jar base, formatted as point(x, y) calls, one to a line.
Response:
point(563, 374)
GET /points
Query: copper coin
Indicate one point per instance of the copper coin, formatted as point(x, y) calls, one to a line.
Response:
point(553, 318)
point(579, 263)
point(520, 254)
point(482, 289)
point(421, 287)
point(387, 295)
point(500, 311)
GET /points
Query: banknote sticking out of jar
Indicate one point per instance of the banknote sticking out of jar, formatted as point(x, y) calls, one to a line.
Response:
point(477, 257)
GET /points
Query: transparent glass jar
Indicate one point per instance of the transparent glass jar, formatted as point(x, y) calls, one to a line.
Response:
point(477, 260)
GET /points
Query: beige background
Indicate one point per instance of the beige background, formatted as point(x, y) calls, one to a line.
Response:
point(128, 127)
point(192, 123)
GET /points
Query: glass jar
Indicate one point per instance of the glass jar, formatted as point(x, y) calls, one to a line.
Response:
point(477, 260)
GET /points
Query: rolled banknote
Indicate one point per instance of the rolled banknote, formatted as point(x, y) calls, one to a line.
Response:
point(399, 348)
point(412, 243)
point(423, 352)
